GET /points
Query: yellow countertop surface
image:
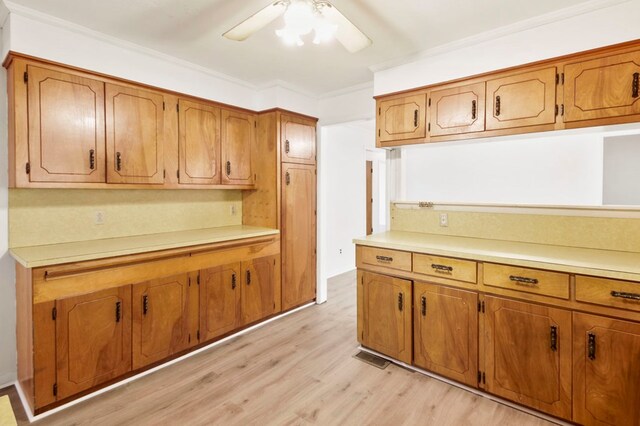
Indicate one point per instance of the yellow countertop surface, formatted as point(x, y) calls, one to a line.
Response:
point(605, 263)
point(55, 254)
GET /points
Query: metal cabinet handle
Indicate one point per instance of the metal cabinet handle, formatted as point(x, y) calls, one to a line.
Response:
point(248, 277)
point(228, 168)
point(474, 110)
point(400, 301)
point(497, 106)
point(233, 282)
point(591, 345)
point(415, 118)
point(554, 338)
point(443, 269)
point(145, 304)
point(634, 85)
point(384, 258)
point(92, 159)
point(523, 280)
point(623, 295)
point(287, 178)
point(118, 161)
point(286, 146)
point(118, 313)
point(423, 306)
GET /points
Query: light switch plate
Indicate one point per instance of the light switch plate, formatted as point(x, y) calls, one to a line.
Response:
point(444, 219)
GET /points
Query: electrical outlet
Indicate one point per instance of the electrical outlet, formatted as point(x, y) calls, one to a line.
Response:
point(99, 218)
point(340, 251)
point(233, 210)
point(444, 219)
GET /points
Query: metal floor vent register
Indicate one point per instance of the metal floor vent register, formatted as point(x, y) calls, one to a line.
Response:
point(372, 359)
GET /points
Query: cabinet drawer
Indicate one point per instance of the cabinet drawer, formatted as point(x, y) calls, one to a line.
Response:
point(391, 259)
point(445, 267)
point(534, 281)
point(607, 292)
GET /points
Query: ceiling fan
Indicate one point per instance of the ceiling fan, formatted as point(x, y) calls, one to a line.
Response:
point(301, 17)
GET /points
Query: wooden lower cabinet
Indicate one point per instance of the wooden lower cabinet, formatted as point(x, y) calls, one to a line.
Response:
point(259, 296)
point(160, 319)
point(445, 330)
point(528, 354)
point(386, 315)
point(606, 371)
point(93, 339)
point(219, 300)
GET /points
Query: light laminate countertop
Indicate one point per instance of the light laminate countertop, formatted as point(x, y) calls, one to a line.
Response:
point(605, 263)
point(55, 254)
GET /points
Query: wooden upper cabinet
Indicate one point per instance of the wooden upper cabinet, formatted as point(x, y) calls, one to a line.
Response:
point(238, 135)
point(259, 293)
point(220, 290)
point(528, 354)
point(386, 315)
point(135, 135)
point(602, 88)
point(93, 339)
point(606, 371)
point(160, 320)
point(298, 140)
point(457, 110)
point(199, 143)
point(66, 127)
point(402, 118)
point(298, 234)
point(446, 331)
point(523, 99)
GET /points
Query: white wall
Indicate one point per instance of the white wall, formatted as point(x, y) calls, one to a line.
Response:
point(543, 170)
point(352, 104)
point(622, 170)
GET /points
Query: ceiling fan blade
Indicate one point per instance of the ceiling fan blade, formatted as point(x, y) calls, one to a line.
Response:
point(347, 33)
point(256, 22)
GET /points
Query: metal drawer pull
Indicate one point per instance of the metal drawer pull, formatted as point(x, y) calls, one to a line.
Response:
point(400, 301)
point(623, 295)
point(591, 346)
point(287, 178)
point(415, 118)
point(145, 304)
point(497, 106)
point(423, 305)
point(248, 277)
point(554, 338)
point(233, 282)
point(118, 314)
point(384, 258)
point(634, 86)
point(92, 159)
point(286, 146)
point(118, 161)
point(523, 280)
point(228, 168)
point(473, 110)
point(443, 269)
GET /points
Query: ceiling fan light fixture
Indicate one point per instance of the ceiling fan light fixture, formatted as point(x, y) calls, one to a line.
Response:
point(324, 30)
point(289, 37)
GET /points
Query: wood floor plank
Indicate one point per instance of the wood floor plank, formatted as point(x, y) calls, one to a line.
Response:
point(298, 370)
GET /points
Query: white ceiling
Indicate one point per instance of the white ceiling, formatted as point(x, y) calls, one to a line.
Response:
point(191, 30)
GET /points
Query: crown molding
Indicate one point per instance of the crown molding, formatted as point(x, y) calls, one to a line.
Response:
point(520, 26)
point(348, 90)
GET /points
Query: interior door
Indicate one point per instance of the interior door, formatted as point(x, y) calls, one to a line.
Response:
point(402, 118)
point(602, 88)
point(528, 354)
point(219, 300)
point(387, 315)
point(93, 339)
point(238, 134)
point(457, 110)
point(135, 135)
point(519, 100)
point(606, 378)
point(66, 127)
point(199, 143)
point(258, 288)
point(160, 319)
point(446, 331)
point(298, 234)
point(298, 140)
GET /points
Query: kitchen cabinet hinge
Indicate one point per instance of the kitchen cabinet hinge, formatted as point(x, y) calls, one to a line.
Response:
point(163, 106)
point(562, 78)
point(198, 279)
point(198, 335)
point(562, 110)
point(557, 110)
point(429, 127)
point(25, 76)
point(379, 111)
point(55, 389)
point(255, 124)
point(482, 378)
point(189, 339)
point(429, 101)
point(189, 281)
point(164, 174)
point(27, 168)
point(481, 307)
point(178, 173)
point(378, 132)
point(274, 305)
point(54, 313)
point(178, 107)
point(557, 78)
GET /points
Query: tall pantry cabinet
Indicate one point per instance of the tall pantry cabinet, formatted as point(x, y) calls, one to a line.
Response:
point(285, 197)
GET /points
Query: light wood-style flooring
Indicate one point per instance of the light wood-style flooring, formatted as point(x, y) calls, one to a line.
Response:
point(294, 371)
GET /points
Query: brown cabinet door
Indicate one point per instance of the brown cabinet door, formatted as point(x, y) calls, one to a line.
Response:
point(402, 118)
point(135, 135)
point(526, 99)
point(66, 127)
point(528, 354)
point(238, 134)
point(602, 88)
point(219, 300)
point(160, 319)
point(446, 332)
point(298, 140)
point(199, 143)
point(387, 315)
point(457, 110)
point(298, 234)
point(258, 288)
point(606, 371)
point(93, 339)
